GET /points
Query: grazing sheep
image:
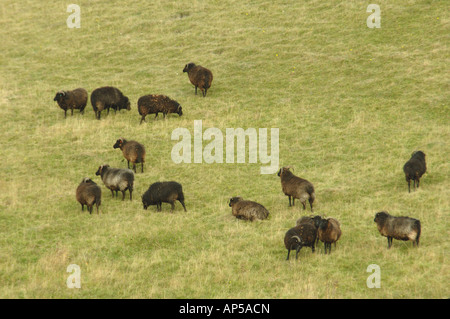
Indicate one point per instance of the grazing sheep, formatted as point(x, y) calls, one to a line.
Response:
point(167, 192)
point(117, 179)
point(133, 151)
point(108, 97)
point(296, 187)
point(247, 210)
point(89, 193)
point(154, 104)
point(303, 235)
point(414, 168)
point(401, 228)
point(329, 232)
point(199, 76)
point(69, 100)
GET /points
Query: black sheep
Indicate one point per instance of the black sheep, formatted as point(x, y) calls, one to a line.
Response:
point(414, 168)
point(163, 192)
point(108, 97)
point(303, 235)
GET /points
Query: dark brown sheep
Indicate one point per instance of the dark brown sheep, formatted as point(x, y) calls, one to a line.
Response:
point(70, 100)
point(199, 76)
point(154, 104)
point(247, 210)
point(108, 97)
point(296, 187)
point(314, 221)
point(89, 193)
point(303, 235)
point(329, 232)
point(401, 228)
point(133, 152)
point(414, 168)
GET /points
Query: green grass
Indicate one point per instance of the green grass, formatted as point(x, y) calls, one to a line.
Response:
point(351, 104)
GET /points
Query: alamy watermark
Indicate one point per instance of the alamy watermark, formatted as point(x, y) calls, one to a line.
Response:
point(74, 279)
point(374, 20)
point(374, 280)
point(213, 152)
point(74, 20)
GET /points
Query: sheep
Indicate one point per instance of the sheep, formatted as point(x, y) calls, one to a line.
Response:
point(414, 168)
point(75, 99)
point(199, 76)
point(88, 193)
point(154, 104)
point(133, 151)
point(303, 235)
point(247, 210)
point(296, 187)
point(167, 192)
point(116, 179)
point(329, 232)
point(314, 221)
point(401, 228)
point(108, 97)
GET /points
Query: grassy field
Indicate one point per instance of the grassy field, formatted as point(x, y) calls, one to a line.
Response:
point(351, 104)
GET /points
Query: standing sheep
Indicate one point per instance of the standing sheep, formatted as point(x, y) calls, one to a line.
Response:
point(296, 187)
point(414, 168)
point(247, 210)
point(88, 193)
point(69, 100)
point(163, 192)
point(314, 221)
point(401, 228)
point(117, 179)
point(303, 235)
point(108, 97)
point(133, 151)
point(329, 232)
point(154, 104)
point(199, 76)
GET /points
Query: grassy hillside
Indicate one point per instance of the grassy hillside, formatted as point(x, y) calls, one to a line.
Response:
point(351, 104)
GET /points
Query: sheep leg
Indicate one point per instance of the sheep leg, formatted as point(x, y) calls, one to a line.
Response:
point(142, 167)
point(71, 111)
point(156, 115)
point(65, 113)
point(304, 205)
point(131, 191)
point(82, 207)
point(90, 209)
point(128, 162)
point(173, 206)
point(196, 90)
point(298, 250)
point(142, 119)
point(182, 203)
point(409, 186)
point(112, 192)
point(289, 201)
point(414, 181)
point(205, 92)
point(389, 242)
point(289, 251)
point(310, 204)
point(418, 181)
point(123, 195)
point(134, 167)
